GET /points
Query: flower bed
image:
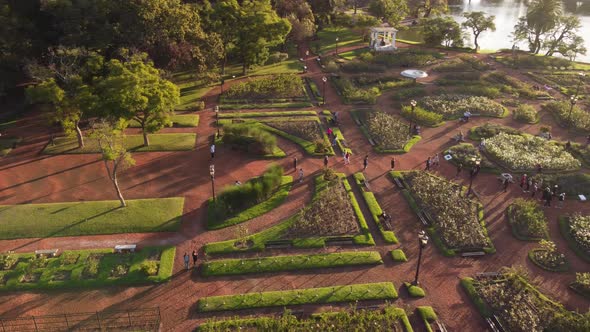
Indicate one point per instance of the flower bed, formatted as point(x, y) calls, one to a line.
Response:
point(87, 268)
point(548, 258)
point(388, 132)
point(453, 106)
point(578, 230)
point(527, 220)
point(582, 284)
point(526, 113)
point(489, 130)
point(282, 86)
point(580, 119)
point(466, 153)
point(518, 305)
point(457, 220)
point(524, 152)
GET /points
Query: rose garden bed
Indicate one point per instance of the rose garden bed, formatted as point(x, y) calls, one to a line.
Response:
point(489, 130)
point(522, 153)
point(334, 213)
point(88, 268)
point(452, 106)
point(517, 305)
point(466, 154)
point(456, 223)
point(582, 284)
point(389, 133)
point(576, 230)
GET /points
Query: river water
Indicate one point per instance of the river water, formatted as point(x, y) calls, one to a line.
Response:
point(507, 13)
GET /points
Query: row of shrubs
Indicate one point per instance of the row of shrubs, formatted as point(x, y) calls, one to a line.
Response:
point(353, 94)
point(422, 116)
point(234, 198)
point(580, 119)
point(374, 63)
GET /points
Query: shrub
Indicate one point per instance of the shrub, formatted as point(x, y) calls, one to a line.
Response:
point(414, 290)
point(249, 138)
point(200, 105)
point(7, 261)
point(352, 94)
point(464, 153)
point(580, 230)
point(452, 106)
point(525, 113)
point(389, 131)
point(580, 119)
point(406, 58)
point(150, 268)
point(479, 90)
point(422, 116)
point(491, 129)
point(583, 281)
point(321, 146)
point(398, 255)
point(548, 257)
point(69, 258)
point(277, 57)
point(411, 92)
point(277, 86)
point(237, 198)
point(330, 174)
point(527, 218)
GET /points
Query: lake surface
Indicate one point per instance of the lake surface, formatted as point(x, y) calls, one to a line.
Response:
point(507, 13)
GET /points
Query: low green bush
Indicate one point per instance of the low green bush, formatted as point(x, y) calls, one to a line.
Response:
point(527, 220)
point(489, 130)
point(480, 304)
point(407, 93)
point(249, 138)
point(526, 113)
point(580, 119)
point(414, 291)
point(234, 199)
point(427, 313)
point(375, 208)
point(422, 116)
point(345, 293)
point(352, 94)
point(479, 90)
point(398, 255)
point(276, 86)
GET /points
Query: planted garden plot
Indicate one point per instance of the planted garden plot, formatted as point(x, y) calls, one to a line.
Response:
point(578, 118)
point(85, 268)
point(456, 222)
point(527, 220)
point(452, 106)
point(388, 132)
point(576, 230)
point(524, 152)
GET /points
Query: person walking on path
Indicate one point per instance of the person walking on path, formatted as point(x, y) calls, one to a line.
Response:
point(506, 182)
point(523, 181)
point(212, 150)
point(459, 169)
point(186, 260)
point(436, 160)
point(529, 183)
point(535, 189)
point(561, 200)
point(392, 163)
point(295, 163)
point(428, 164)
point(547, 196)
point(347, 158)
point(326, 161)
point(300, 175)
point(195, 257)
point(365, 162)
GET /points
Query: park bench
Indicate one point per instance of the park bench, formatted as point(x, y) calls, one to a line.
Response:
point(46, 252)
point(386, 221)
point(482, 275)
point(492, 325)
point(440, 326)
point(497, 323)
point(425, 218)
point(545, 98)
point(473, 254)
point(123, 248)
point(278, 244)
point(399, 183)
point(370, 307)
point(341, 240)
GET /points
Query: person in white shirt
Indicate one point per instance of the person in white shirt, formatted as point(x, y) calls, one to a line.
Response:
point(212, 150)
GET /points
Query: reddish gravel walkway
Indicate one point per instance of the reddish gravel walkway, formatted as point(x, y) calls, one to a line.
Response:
point(29, 177)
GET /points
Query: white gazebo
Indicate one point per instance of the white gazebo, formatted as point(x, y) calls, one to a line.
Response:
point(383, 39)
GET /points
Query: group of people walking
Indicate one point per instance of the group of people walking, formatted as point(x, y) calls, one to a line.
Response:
point(529, 184)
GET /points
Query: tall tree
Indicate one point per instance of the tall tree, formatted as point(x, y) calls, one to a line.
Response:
point(564, 33)
point(392, 11)
point(114, 155)
point(300, 15)
point(478, 23)
point(259, 28)
point(324, 10)
point(542, 16)
point(428, 7)
point(442, 30)
point(66, 84)
point(134, 90)
point(224, 20)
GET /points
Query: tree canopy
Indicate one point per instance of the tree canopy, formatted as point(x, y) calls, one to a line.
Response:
point(477, 22)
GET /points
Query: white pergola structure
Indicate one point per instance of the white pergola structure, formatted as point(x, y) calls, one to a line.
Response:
point(383, 39)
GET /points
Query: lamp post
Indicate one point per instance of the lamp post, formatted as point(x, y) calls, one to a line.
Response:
point(337, 40)
point(324, 80)
point(217, 119)
point(212, 173)
point(413, 104)
point(422, 242)
point(574, 99)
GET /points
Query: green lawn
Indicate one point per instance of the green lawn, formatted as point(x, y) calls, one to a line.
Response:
point(79, 269)
point(6, 145)
point(292, 65)
point(412, 35)
point(228, 115)
point(178, 120)
point(327, 39)
point(192, 90)
point(133, 143)
point(214, 222)
point(289, 263)
point(345, 293)
point(91, 217)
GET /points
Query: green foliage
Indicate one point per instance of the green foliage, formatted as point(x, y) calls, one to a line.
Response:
point(479, 90)
point(453, 106)
point(289, 263)
point(489, 130)
point(465, 153)
point(527, 220)
point(389, 318)
point(422, 116)
point(91, 268)
point(427, 314)
point(407, 93)
point(412, 57)
point(393, 11)
point(234, 199)
point(375, 208)
point(214, 221)
point(90, 217)
point(547, 257)
point(572, 184)
point(441, 30)
point(398, 255)
point(374, 291)
point(414, 291)
point(513, 85)
point(580, 119)
point(389, 131)
point(250, 138)
point(354, 95)
point(482, 307)
point(271, 87)
point(478, 23)
point(526, 113)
